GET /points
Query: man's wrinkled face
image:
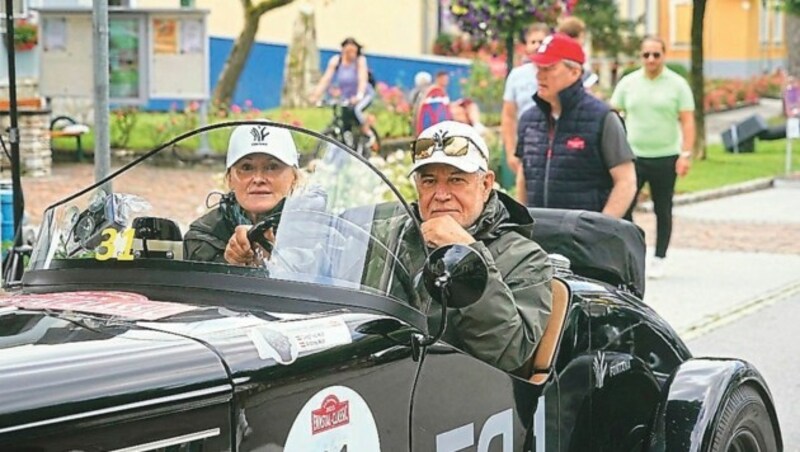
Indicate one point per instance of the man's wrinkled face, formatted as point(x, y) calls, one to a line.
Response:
point(652, 54)
point(446, 190)
point(259, 182)
point(554, 78)
point(533, 40)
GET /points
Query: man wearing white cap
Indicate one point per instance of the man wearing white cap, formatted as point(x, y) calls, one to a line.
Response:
point(457, 205)
point(262, 169)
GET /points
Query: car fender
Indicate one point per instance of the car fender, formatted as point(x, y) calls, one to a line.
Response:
point(693, 398)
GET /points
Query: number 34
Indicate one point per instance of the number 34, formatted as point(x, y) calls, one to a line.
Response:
point(109, 245)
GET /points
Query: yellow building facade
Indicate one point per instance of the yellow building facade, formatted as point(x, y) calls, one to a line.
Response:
point(742, 38)
point(391, 27)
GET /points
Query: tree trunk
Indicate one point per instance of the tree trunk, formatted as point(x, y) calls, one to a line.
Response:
point(301, 69)
point(229, 78)
point(793, 44)
point(697, 79)
point(509, 53)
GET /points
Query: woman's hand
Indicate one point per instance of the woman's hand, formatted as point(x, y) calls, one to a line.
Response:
point(238, 250)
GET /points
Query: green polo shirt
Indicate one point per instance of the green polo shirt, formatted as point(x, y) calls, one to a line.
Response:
point(651, 111)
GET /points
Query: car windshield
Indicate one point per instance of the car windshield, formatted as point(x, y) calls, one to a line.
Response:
point(340, 224)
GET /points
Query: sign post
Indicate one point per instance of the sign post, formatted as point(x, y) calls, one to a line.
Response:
point(791, 102)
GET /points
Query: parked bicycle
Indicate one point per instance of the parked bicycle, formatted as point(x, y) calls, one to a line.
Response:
point(345, 128)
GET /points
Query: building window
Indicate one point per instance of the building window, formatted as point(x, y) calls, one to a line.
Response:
point(680, 27)
point(777, 25)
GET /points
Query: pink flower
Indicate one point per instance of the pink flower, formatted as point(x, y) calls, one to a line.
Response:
point(194, 105)
point(297, 123)
point(235, 109)
point(248, 103)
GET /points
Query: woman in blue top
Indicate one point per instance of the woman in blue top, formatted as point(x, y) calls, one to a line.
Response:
point(347, 75)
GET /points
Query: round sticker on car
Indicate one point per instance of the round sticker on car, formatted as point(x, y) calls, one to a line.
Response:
point(335, 419)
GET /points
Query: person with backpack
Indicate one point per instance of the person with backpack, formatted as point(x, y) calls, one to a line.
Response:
point(348, 77)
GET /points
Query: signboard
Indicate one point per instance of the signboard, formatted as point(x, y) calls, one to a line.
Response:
point(793, 128)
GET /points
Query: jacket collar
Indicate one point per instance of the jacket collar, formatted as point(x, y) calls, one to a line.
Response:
point(569, 97)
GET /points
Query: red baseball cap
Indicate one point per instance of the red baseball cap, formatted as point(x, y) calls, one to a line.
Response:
point(558, 47)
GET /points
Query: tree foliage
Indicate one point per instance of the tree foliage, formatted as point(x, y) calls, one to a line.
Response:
point(498, 19)
point(234, 65)
point(610, 33)
point(792, 6)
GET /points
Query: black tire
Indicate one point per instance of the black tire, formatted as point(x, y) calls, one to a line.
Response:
point(744, 424)
point(323, 145)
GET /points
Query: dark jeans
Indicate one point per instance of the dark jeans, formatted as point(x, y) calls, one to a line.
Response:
point(660, 174)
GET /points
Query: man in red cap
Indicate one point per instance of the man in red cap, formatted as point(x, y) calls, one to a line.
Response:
point(573, 148)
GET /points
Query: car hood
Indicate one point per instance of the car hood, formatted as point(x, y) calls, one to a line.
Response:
point(61, 365)
point(81, 352)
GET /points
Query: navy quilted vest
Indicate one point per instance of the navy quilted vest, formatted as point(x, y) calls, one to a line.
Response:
point(574, 175)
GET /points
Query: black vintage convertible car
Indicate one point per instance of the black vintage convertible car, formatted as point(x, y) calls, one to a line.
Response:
point(115, 341)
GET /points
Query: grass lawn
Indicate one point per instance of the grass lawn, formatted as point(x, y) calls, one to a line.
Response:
point(718, 169)
point(722, 168)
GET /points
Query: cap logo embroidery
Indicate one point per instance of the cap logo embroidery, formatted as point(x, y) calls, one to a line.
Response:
point(543, 46)
point(440, 137)
point(259, 134)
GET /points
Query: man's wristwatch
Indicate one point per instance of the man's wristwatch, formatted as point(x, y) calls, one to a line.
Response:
point(686, 155)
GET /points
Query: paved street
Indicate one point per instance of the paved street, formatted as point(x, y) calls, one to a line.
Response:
point(767, 339)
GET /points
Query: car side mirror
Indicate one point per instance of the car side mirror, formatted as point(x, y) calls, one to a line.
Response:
point(455, 276)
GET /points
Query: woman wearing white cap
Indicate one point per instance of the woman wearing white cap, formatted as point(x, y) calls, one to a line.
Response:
point(262, 169)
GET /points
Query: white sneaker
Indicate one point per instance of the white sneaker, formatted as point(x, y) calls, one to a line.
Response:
point(657, 268)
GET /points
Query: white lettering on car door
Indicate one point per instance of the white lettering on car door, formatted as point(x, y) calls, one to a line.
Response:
point(498, 425)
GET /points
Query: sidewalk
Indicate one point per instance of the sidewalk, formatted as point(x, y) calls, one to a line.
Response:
point(727, 257)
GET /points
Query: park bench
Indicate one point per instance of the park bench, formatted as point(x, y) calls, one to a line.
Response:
point(71, 129)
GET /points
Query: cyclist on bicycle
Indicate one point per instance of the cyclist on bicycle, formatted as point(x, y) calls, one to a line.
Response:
point(347, 75)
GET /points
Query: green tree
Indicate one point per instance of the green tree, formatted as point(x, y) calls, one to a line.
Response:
point(697, 79)
point(253, 10)
point(610, 33)
point(502, 19)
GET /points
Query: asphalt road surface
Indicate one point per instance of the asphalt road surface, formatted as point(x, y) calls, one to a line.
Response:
point(769, 339)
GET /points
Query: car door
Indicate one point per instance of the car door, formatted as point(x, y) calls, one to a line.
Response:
point(462, 403)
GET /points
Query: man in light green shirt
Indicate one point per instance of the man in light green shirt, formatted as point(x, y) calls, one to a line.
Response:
point(659, 114)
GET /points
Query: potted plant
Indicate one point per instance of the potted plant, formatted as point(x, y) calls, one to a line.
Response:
point(26, 35)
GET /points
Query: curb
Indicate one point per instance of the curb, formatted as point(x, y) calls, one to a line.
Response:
point(714, 193)
point(712, 322)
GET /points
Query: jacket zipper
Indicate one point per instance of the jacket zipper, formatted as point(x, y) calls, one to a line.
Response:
point(551, 132)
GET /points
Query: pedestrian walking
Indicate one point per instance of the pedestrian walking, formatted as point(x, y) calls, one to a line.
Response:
point(518, 93)
point(659, 114)
point(573, 147)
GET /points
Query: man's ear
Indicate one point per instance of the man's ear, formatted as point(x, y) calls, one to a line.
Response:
point(488, 184)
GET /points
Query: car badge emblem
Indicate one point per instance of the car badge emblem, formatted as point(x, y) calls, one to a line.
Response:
point(600, 368)
point(333, 413)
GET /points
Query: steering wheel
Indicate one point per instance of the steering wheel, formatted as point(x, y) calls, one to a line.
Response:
point(343, 229)
point(256, 234)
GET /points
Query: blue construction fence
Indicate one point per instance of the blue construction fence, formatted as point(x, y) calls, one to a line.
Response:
point(261, 81)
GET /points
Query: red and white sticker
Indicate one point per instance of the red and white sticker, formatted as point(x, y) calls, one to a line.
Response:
point(336, 418)
point(119, 304)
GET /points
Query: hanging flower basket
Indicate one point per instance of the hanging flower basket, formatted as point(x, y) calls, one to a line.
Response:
point(26, 35)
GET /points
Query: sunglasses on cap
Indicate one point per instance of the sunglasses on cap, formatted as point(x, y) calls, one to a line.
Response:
point(453, 146)
point(655, 55)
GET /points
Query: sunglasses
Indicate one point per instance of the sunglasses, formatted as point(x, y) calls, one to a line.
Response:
point(655, 55)
point(455, 146)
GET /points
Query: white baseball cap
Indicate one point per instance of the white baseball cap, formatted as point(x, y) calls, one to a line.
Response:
point(475, 159)
point(261, 139)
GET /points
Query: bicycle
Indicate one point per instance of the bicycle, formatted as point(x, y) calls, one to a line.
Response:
point(345, 128)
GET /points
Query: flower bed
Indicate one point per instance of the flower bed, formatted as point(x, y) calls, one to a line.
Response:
point(725, 94)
